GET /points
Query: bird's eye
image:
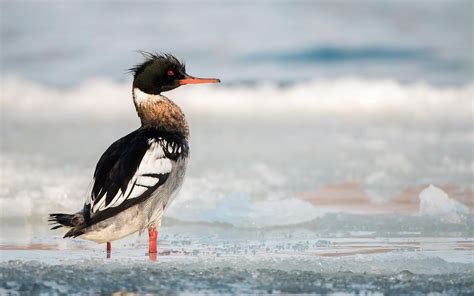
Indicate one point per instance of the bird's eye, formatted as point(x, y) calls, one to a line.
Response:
point(170, 73)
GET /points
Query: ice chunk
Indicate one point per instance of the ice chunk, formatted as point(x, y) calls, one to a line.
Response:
point(435, 202)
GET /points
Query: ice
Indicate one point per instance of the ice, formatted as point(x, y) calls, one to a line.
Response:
point(436, 203)
point(389, 225)
point(232, 275)
point(220, 258)
point(239, 209)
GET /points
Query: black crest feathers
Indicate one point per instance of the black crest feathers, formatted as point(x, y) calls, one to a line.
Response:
point(153, 57)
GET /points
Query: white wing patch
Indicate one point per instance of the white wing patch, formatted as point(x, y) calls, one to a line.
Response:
point(153, 166)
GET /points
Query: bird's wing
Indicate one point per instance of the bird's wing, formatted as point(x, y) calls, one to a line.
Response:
point(130, 170)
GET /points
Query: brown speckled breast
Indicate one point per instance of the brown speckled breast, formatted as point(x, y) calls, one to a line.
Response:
point(160, 112)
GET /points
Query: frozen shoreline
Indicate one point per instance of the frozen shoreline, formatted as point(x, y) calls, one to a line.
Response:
point(211, 260)
point(235, 274)
point(39, 278)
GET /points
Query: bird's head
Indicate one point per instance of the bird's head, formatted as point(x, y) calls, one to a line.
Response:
point(163, 72)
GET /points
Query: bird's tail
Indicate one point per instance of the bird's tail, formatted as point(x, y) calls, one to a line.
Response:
point(74, 221)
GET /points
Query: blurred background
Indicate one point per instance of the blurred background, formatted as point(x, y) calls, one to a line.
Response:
point(328, 103)
point(324, 107)
point(340, 128)
point(62, 44)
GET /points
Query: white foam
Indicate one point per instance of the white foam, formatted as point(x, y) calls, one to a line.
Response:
point(97, 98)
point(104, 99)
point(31, 190)
point(435, 202)
point(347, 97)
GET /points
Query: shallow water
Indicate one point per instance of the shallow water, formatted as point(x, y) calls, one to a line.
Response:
point(225, 259)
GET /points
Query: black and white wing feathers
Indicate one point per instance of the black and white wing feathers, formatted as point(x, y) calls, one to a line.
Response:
point(130, 170)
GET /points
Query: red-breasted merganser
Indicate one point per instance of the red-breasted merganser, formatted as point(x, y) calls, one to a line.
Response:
point(137, 176)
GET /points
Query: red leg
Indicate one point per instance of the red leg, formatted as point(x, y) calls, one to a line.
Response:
point(152, 236)
point(109, 249)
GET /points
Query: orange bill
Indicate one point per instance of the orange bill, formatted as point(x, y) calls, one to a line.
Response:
point(195, 80)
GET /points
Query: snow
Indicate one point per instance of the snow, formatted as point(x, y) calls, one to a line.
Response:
point(435, 202)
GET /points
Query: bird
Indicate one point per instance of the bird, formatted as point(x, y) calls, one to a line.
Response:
point(139, 175)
